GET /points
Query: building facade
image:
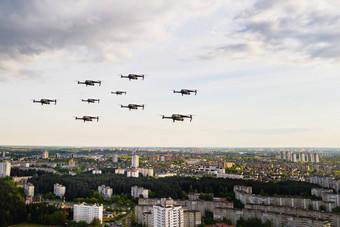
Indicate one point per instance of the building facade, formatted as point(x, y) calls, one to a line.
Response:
point(5, 169)
point(83, 212)
point(71, 163)
point(167, 215)
point(136, 192)
point(135, 161)
point(29, 190)
point(115, 158)
point(59, 190)
point(45, 155)
point(105, 191)
point(192, 218)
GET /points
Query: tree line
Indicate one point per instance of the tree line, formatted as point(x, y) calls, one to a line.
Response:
point(80, 186)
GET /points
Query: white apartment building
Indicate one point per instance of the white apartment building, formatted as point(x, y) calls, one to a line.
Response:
point(71, 163)
point(59, 190)
point(83, 212)
point(135, 161)
point(137, 191)
point(44, 155)
point(96, 171)
point(5, 169)
point(105, 191)
point(29, 189)
point(167, 215)
point(119, 171)
point(146, 172)
point(132, 173)
point(115, 158)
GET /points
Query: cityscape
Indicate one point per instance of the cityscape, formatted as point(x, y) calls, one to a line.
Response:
point(177, 186)
point(173, 113)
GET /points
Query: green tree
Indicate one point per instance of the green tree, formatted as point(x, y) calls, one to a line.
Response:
point(209, 217)
point(133, 219)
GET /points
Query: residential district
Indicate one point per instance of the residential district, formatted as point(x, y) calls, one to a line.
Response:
point(172, 186)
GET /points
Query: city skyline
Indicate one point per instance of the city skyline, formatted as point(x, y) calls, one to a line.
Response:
point(266, 73)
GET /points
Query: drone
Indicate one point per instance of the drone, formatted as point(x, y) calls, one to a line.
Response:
point(118, 92)
point(87, 118)
point(46, 101)
point(90, 100)
point(178, 117)
point(186, 91)
point(132, 76)
point(132, 106)
point(90, 82)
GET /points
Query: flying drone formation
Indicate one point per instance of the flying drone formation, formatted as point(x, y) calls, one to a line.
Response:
point(90, 100)
point(87, 118)
point(186, 91)
point(174, 117)
point(118, 92)
point(177, 117)
point(132, 106)
point(132, 76)
point(90, 82)
point(46, 101)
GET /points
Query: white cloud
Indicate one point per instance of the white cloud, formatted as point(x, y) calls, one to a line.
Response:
point(87, 30)
point(295, 30)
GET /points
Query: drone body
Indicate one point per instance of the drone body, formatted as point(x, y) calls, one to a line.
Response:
point(133, 76)
point(118, 92)
point(90, 100)
point(177, 117)
point(186, 91)
point(46, 101)
point(132, 106)
point(87, 118)
point(90, 82)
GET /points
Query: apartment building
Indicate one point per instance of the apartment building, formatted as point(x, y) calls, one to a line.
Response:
point(83, 212)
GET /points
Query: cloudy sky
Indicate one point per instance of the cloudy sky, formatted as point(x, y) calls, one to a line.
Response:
point(267, 72)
